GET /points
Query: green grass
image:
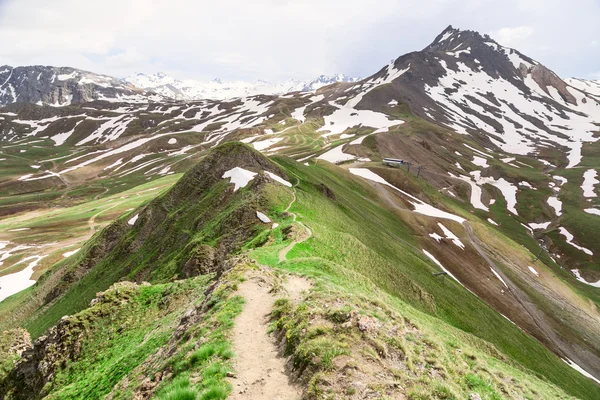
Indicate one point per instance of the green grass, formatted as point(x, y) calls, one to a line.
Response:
point(361, 254)
point(408, 345)
point(120, 336)
point(123, 339)
point(382, 250)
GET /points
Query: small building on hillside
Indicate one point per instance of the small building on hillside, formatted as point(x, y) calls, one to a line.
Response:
point(393, 162)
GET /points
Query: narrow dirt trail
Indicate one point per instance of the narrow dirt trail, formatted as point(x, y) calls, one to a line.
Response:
point(92, 220)
point(261, 373)
point(308, 233)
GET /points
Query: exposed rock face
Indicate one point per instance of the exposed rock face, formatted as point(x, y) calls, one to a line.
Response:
point(39, 363)
point(59, 86)
point(14, 342)
point(203, 261)
point(546, 78)
point(62, 343)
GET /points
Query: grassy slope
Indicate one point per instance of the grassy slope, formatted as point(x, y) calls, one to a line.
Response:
point(129, 340)
point(383, 251)
point(377, 253)
point(47, 228)
point(182, 222)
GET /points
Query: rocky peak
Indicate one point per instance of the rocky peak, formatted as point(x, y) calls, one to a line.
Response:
point(452, 39)
point(473, 45)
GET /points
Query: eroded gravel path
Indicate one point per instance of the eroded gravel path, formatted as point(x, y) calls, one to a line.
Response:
point(260, 371)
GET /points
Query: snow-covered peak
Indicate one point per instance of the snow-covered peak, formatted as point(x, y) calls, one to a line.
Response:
point(219, 89)
point(324, 80)
point(446, 34)
point(453, 40)
point(61, 86)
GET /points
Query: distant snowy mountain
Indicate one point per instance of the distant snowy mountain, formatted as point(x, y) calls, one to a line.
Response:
point(325, 80)
point(60, 86)
point(217, 89)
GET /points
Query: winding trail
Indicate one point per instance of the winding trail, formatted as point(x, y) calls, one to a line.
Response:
point(308, 233)
point(260, 371)
point(92, 220)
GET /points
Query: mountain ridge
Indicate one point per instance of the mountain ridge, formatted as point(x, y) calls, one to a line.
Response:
point(497, 187)
point(60, 86)
point(218, 89)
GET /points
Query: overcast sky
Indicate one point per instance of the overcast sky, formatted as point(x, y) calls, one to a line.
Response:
point(281, 39)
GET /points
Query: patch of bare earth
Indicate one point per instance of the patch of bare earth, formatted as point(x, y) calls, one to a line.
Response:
point(260, 370)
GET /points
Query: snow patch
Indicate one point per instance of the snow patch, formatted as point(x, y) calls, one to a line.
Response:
point(336, 155)
point(542, 225)
point(278, 179)
point(589, 181)
point(581, 370)
point(263, 217)
point(70, 253)
point(499, 277)
point(439, 264)
point(451, 236)
point(133, 220)
point(265, 144)
point(240, 177)
point(480, 161)
point(570, 238)
point(14, 283)
point(580, 279)
point(420, 206)
point(555, 203)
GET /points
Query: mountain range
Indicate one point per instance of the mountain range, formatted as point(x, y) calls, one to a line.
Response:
point(170, 87)
point(147, 210)
point(60, 86)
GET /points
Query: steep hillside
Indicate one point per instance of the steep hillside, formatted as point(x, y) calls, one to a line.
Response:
point(374, 322)
point(472, 260)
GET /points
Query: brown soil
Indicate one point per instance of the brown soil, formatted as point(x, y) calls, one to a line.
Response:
point(261, 372)
point(300, 238)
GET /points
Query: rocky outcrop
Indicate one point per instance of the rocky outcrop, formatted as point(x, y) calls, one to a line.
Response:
point(13, 343)
point(62, 343)
point(546, 78)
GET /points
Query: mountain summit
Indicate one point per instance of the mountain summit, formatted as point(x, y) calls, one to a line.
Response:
point(472, 84)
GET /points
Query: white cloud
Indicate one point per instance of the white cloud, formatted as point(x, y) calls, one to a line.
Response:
point(125, 60)
point(270, 39)
point(512, 36)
